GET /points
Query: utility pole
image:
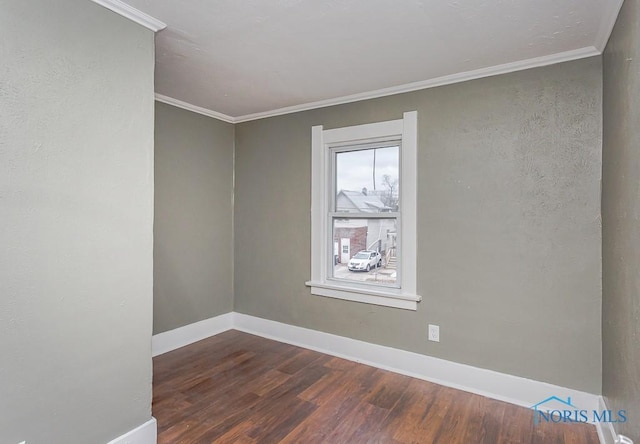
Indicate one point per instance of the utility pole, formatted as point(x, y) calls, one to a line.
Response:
point(374, 169)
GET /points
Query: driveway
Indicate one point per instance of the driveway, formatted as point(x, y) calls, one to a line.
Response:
point(384, 275)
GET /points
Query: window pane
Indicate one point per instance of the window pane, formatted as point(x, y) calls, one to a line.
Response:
point(365, 250)
point(367, 180)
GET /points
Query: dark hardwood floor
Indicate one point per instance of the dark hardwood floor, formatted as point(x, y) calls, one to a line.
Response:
point(240, 388)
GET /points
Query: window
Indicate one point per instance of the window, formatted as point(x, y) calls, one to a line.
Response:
point(364, 213)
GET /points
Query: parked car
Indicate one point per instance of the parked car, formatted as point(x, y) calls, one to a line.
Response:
point(365, 260)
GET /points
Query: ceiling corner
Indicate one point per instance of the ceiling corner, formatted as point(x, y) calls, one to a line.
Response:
point(606, 25)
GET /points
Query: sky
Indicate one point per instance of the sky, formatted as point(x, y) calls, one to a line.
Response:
point(354, 169)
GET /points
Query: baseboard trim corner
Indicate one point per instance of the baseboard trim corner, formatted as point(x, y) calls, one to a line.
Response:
point(146, 433)
point(181, 336)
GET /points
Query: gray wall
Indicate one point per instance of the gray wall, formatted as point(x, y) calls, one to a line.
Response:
point(76, 215)
point(193, 242)
point(509, 237)
point(621, 219)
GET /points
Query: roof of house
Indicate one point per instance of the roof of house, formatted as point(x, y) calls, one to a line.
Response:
point(364, 202)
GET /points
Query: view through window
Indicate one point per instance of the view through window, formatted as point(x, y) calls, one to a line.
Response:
point(365, 213)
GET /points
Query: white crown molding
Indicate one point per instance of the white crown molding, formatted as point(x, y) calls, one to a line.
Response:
point(440, 81)
point(132, 13)
point(194, 108)
point(522, 65)
point(607, 23)
point(432, 83)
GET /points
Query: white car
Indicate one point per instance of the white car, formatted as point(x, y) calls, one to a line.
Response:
point(365, 260)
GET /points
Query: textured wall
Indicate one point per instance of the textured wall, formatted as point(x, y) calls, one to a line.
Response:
point(509, 238)
point(193, 242)
point(76, 215)
point(621, 219)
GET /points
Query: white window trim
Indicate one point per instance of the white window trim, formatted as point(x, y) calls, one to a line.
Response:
point(407, 129)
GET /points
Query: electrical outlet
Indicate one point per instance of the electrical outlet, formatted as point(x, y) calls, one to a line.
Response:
point(434, 333)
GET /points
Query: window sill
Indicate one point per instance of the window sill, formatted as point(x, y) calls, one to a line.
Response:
point(387, 298)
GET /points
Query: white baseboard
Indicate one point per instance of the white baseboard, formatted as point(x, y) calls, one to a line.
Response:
point(489, 383)
point(173, 339)
point(606, 432)
point(146, 433)
point(512, 389)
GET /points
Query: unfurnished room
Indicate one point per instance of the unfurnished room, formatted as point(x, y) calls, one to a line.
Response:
point(319, 221)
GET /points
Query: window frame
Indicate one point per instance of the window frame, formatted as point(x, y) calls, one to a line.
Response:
point(322, 198)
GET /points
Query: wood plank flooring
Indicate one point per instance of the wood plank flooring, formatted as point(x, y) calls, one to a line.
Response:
point(240, 388)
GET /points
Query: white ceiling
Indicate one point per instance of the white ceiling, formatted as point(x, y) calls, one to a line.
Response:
point(246, 59)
